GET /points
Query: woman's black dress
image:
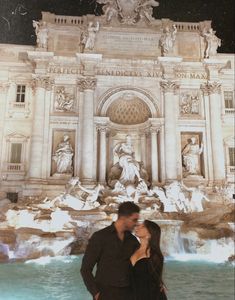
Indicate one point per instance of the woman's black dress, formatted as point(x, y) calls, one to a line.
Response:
point(145, 287)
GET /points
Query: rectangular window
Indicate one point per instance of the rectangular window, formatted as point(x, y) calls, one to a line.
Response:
point(231, 151)
point(20, 95)
point(228, 100)
point(16, 153)
point(13, 197)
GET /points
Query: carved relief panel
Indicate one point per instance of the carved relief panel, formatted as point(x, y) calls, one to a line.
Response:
point(62, 156)
point(65, 99)
point(190, 104)
point(192, 149)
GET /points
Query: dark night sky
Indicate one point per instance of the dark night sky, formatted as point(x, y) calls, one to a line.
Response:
point(16, 16)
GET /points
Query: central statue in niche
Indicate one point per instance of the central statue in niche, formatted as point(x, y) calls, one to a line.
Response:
point(127, 171)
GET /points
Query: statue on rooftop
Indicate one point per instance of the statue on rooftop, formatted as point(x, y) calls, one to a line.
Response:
point(89, 38)
point(167, 40)
point(41, 32)
point(212, 42)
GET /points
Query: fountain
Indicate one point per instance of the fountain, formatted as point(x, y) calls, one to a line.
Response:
point(63, 225)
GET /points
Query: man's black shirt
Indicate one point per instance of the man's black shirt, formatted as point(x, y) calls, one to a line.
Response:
point(112, 257)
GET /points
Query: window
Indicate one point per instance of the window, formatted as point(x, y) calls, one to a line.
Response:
point(16, 153)
point(20, 95)
point(13, 197)
point(228, 100)
point(231, 151)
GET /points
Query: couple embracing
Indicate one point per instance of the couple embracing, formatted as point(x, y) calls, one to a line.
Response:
point(126, 268)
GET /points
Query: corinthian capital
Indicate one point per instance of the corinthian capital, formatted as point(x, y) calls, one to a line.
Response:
point(154, 129)
point(88, 83)
point(42, 82)
point(169, 86)
point(211, 87)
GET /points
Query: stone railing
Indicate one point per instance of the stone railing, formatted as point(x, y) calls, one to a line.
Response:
point(230, 169)
point(61, 20)
point(20, 105)
point(229, 111)
point(70, 20)
point(183, 26)
point(13, 167)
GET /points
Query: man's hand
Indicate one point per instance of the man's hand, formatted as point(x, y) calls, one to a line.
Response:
point(97, 296)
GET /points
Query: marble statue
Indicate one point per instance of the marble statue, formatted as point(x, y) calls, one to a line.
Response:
point(130, 167)
point(197, 195)
point(194, 104)
point(168, 203)
point(174, 191)
point(212, 42)
point(128, 12)
point(145, 9)
point(189, 104)
point(191, 157)
point(75, 196)
point(87, 197)
point(63, 101)
point(167, 40)
point(91, 34)
point(110, 9)
point(64, 156)
point(41, 32)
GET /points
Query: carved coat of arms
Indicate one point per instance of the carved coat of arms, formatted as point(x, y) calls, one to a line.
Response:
point(128, 11)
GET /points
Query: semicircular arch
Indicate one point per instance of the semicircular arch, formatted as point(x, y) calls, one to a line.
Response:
point(112, 95)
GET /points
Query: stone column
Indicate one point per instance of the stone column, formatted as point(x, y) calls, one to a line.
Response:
point(3, 101)
point(162, 175)
point(36, 151)
point(213, 89)
point(87, 85)
point(143, 148)
point(103, 154)
point(170, 110)
point(154, 155)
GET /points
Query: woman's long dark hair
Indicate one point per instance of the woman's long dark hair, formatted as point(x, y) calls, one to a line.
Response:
point(156, 256)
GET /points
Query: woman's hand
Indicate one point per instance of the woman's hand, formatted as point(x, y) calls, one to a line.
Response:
point(97, 296)
point(163, 288)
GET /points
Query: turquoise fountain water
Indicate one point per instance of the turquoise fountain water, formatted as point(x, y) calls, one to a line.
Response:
point(59, 279)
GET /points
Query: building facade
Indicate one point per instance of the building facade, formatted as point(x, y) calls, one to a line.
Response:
point(91, 81)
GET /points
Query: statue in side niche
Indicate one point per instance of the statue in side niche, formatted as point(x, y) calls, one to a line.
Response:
point(212, 42)
point(191, 157)
point(63, 156)
point(167, 40)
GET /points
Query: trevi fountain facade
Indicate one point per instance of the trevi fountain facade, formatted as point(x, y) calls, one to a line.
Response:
point(113, 108)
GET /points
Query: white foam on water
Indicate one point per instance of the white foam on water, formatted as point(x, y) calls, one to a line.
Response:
point(45, 260)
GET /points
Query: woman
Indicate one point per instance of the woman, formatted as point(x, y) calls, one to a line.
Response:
point(147, 263)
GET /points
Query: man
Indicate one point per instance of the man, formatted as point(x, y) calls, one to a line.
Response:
point(110, 250)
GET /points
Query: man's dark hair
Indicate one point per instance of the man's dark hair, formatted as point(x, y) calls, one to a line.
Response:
point(127, 209)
